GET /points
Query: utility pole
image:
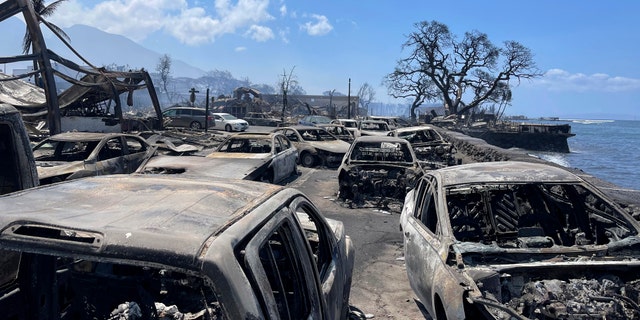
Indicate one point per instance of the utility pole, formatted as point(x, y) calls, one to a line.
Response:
point(206, 112)
point(349, 101)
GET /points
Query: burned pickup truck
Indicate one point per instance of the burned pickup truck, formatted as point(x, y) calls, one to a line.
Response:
point(377, 168)
point(165, 247)
point(518, 240)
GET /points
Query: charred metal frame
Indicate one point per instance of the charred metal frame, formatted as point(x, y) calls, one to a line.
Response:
point(97, 86)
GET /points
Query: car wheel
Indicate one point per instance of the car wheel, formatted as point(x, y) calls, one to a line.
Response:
point(227, 128)
point(195, 125)
point(307, 160)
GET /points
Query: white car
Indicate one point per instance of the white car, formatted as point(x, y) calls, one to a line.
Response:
point(372, 128)
point(350, 124)
point(227, 122)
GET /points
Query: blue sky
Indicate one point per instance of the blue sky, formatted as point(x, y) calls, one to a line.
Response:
point(588, 50)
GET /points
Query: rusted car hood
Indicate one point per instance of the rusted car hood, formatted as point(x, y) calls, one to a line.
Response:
point(337, 146)
point(235, 155)
point(47, 169)
point(237, 168)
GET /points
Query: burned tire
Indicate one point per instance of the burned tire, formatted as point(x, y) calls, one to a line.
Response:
point(195, 125)
point(307, 160)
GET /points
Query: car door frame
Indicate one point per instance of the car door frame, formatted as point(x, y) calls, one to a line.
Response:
point(112, 165)
point(304, 264)
point(289, 154)
point(133, 160)
point(420, 235)
point(331, 263)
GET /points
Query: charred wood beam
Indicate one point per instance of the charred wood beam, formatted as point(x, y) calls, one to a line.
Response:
point(9, 9)
point(40, 50)
point(27, 57)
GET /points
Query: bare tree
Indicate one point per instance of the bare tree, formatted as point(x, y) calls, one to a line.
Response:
point(414, 85)
point(286, 83)
point(366, 94)
point(164, 69)
point(463, 74)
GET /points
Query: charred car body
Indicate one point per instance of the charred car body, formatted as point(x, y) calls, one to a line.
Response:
point(517, 240)
point(338, 130)
point(266, 157)
point(73, 155)
point(315, 145)
point(261, 119)
point(272, 155)
point(17, 166)
point(430, 147)
point(158, 247)
point(378, 167)
point(372, 128)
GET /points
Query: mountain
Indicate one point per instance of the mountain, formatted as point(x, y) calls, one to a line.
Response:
point(102, 49)
point(98, 47)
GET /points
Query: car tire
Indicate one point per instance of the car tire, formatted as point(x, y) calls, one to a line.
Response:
point(227, 128)
point(195, 125)
point(307, 160)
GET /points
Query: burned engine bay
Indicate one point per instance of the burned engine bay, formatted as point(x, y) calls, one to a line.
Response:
point(534, 216)
point(376, 183)
point(546, 251)
point(565, 291)
point(378, 171)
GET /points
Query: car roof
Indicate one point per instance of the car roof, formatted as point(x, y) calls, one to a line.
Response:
point(163, 218)
point(185, 108)
point(505, 172)
point(249, 135)
point(374, 121)
point(414, 128)
point(380, 138)
point(302, 127)
point(83, 136)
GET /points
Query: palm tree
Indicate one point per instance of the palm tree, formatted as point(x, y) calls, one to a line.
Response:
point(42, 11)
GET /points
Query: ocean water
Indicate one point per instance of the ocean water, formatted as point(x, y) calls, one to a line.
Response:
point(606, 149)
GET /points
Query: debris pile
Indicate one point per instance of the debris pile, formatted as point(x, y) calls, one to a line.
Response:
point(605, 298)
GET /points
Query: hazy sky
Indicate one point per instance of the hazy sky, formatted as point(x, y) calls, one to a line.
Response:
point(588, 50)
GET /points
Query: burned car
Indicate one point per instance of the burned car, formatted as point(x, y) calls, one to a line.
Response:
point(266, 157)
point(519, 240)
point(378, 167)
point(73, 155)
point(261, 119)
point(372, 128)
point(338, 130)
point(430, 147)
point(272, 156)
point(160, 247)
point(315, 145)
